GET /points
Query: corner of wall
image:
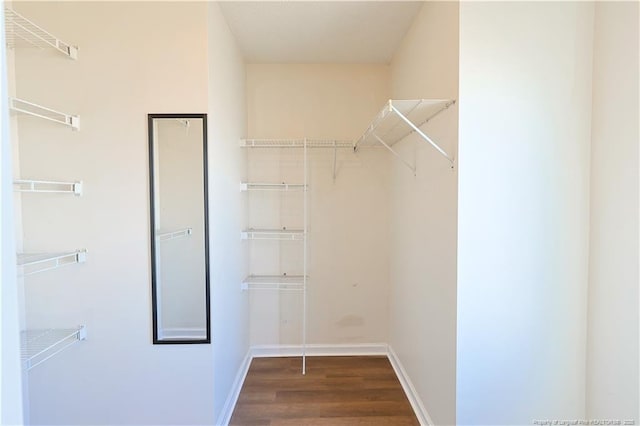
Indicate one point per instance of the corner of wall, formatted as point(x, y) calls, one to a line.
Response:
point(227, 116)
point(424, 218)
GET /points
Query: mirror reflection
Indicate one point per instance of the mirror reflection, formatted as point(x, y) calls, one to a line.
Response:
point(179, 242)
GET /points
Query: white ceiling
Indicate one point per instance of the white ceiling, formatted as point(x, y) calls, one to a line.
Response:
point(319, 31)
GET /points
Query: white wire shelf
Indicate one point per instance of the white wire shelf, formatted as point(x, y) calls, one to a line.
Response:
point(182, 233)
point(21, 32)
point(254, 186)
point(273, 234)
point(37, 346)
point(47, 186)
point(30, 108)
point(32, 263)
point(401, 118)
point(295, 143)
point(274, 282)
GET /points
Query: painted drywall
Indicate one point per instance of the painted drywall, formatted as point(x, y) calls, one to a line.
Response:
point(423, 219)
point(132, 62)
point(612, 354)
point(523, 214)
point(348, 217)
point(11, 405)
point(227, 124)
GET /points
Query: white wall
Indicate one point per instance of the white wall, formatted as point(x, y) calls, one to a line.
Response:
point(423, 215)
point(612, 354)
point(525, 107)
point(227, 124)
point(135, 58)
point(348, 217)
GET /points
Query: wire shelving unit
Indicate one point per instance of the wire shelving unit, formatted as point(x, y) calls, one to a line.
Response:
point(48, 186)
point(293, 283)
point(33, 263)
point(273, 234)
point(35, 110)
point(274, 282)
point(37, 346)
point(401, 118)
point(256, 186)
point(296, 143)
point(22, 32)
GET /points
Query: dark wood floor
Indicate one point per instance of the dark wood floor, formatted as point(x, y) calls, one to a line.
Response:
point(335, 391)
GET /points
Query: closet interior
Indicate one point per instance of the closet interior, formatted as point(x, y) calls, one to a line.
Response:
point(309, 160)
point(427, 181)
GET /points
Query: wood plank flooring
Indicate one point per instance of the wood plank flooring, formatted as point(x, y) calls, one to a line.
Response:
point(337, 391)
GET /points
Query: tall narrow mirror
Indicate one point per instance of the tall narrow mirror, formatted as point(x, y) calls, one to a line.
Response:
point(179, 231)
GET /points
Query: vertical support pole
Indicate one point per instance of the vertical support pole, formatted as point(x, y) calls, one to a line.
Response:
point(304, 276)
point(335, 154)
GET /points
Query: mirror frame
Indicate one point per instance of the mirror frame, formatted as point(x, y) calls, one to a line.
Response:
point(154, 290)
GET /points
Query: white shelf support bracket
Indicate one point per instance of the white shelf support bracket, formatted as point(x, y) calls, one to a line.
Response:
point(422, 134)
point(82, 333)
point(406, 163)
point(81, 256)
point(77, 188)
point(74, 122)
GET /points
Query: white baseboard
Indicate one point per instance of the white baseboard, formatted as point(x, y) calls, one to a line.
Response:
point(225, 415)
point(416, 403)
point(362, 349)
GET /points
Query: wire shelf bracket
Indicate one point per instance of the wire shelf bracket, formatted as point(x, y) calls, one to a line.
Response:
point(390, 125)
point(32, 263)
point(30, 108)
point(273, 234)
point(167, 236)
point(21, 32)
point(37, 346)
point(47, 186)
